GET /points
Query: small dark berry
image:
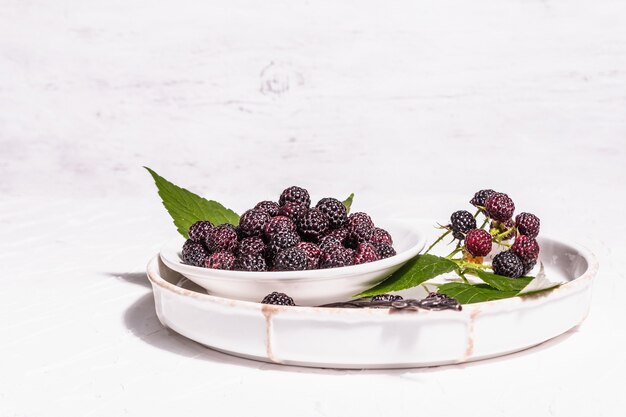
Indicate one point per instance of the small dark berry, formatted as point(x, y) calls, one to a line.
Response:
point(281, 241)
point(340, 234)
point(253, 245)
point(199, 231)
point(387, 297)
point(481, 197)
point(329, 243)
point(337, 258)
point(527, 224)
point(252, 223)
point(526, 248)
point(360, 228)
point(251, 263)
point(500, 207)
point(380, 236)
point(290, 259)
point(293, 210)
point(222, 238)
point(220, 260)
point(279, 224)
point(194, 253)
point(269, 207)
point(528, 267)
point(313, 224)
point(365, 252)
point(462, 222)
point(507, 264)
point(478, 242)
point(335, 210)
point(279, 299)
point(385, 251)
point(312, 252)
point(498, 228)
point(295, 195)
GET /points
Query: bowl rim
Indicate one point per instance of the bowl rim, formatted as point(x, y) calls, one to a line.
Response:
point(306, 275)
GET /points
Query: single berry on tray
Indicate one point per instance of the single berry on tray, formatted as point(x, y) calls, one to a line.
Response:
point(295, 195)
point(507, 264)
point(497, 228)
point(478, 242)
point(269, 207)
point(312, 252)
point(385, 251)
point(252, 223)
point(200, 230)
point(481, 197)
point(290, 259)
point(380, 236)
point(387, 297)
point(282, 240)
point(330, 243)
point(313, 224)
point(500, 207)
point(222, 238)
point(293, 210)
point(360, 228)
point(194, 253)
point(220, 260)
point(335, 210)
point(526, 248)
point(365, 252)
point(336, 258)
point(253, 245)
point(279, 224)
point(462, 222)
point(250, 263)
point(527, 224)
point(278, 298)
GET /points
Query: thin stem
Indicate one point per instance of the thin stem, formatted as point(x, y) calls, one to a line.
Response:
point(477, 213)
point(484, 223)
point(455, 251)
point(437, 241)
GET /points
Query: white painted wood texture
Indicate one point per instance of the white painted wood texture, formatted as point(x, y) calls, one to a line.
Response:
point(412, 105)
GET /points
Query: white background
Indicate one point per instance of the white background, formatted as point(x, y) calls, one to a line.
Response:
point(411, 105)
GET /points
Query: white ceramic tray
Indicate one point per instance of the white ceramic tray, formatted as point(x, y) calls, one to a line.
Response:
point(379, 338)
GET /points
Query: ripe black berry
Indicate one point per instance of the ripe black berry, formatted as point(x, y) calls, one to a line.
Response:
point(340, 234)
point(478, 242)
point(337, 258)
point(279, 299)
point(385, 251)
point(253, 245)
point(507, 264)
point(360, 228)
point(312, 252)
point(194, 253)
point(380, 236)
point(252, 223)
point(462, 222)
point(527, 224)
point(220, 260)
point(387, 297)
point(222, 238)
point(282, 240)
point(279, 224)
point(269, 207)
point(500, 207)
point(295, 195)
point(313, 224)
point(329, 243)
point(293, 210)
point(250, 263)
point(481, 197)
point(528, 267)
point(200, 230)
point(335, 210)
point(365, 252)
point(291, 259)
point(526, 248)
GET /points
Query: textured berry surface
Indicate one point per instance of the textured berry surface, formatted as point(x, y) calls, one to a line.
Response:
point(279, 224)
point(360, 228)
point(194, 253)
point(312, 252)
point(269, 207)
point(365, 252)
point(252, 223)
point(526, 248)
point(279, 299)
point(385, 251)
point(293, 210)
point(199, 231)
point(498, 228)
point(251, 263)
point(313, 225)
point(462, 222)
point(527, 224)
point(507, 264)
point(481, 197)
point(337, 258)
point(281, 241)
point(528, 266)
point(291, 259)
point(295, 195)
point(387, 297)
point(335, 210)
point(222, 238)
point(380, 236)
point(253, 245)
point(329, 243)
point(340, 234)
point(499, 207)
point(478, 242)
point(220, 260)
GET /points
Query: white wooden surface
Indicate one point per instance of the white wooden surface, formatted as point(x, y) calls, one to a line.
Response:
point(412, 105)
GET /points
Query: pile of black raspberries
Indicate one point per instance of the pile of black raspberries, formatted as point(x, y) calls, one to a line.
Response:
point(289, 236)
point(498, 208)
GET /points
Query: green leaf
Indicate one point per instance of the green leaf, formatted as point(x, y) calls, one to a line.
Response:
point(348, 202)
point(503, 283)
point(416, 271)
point(468, 293)
point(186, 208)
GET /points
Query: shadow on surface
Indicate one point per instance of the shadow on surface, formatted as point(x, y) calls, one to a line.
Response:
point(140, 318)
point(137, 278)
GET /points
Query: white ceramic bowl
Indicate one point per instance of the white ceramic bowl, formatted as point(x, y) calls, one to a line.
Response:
point(309, 288)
